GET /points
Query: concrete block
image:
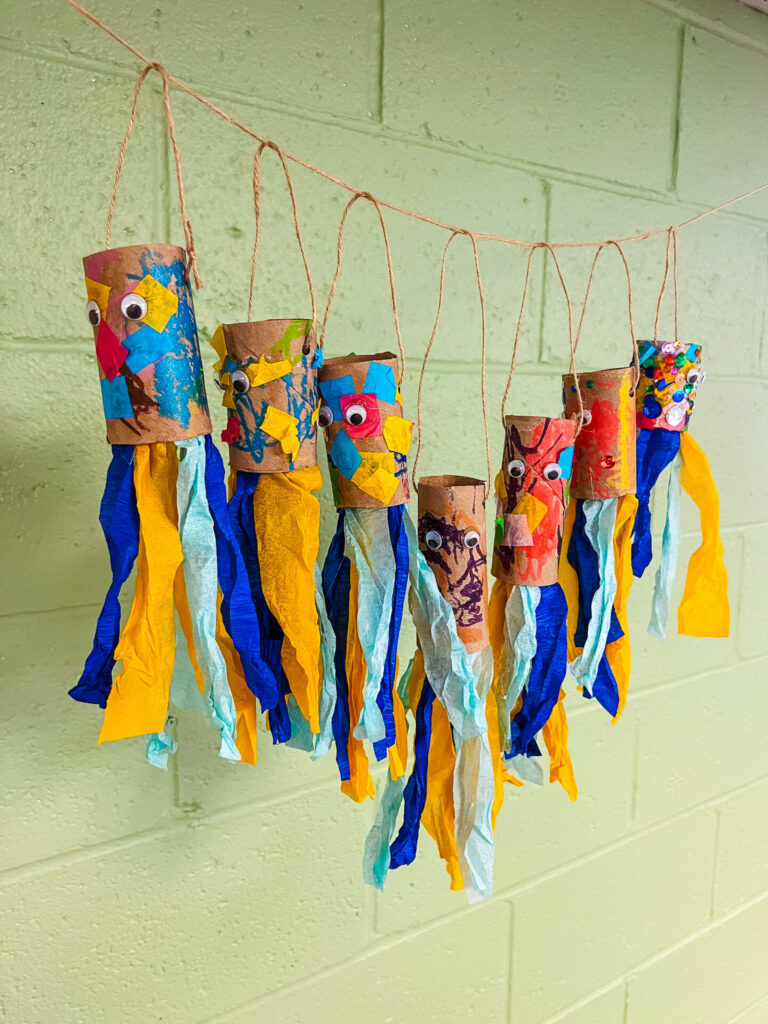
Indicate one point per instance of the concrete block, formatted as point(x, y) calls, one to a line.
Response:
point(741, 870)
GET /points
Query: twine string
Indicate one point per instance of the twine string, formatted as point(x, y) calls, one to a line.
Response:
point(189, 240)
point(183, 87)
point(390, 270)
point(296, 224)
point(631, 318)
point(428, 351)
point(671, 251)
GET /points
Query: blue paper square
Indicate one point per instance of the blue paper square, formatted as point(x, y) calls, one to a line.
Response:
point(114, 395)
point(146, 346)
point(565, 462)
point(343, 454)
point(380, 381)
point(332, 390)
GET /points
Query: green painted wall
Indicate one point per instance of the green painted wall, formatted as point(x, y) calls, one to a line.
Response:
point(219, 893)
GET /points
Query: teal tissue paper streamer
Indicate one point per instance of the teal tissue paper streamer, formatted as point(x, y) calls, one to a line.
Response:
point(376, 855)
point(447, 663)
point(324, 740)
point(368, 546)
point(670, 549)
point(519, 648)
point(198, 545)
point(527, 768)
point(301, 738)
point(159, 746)
point(600, 521)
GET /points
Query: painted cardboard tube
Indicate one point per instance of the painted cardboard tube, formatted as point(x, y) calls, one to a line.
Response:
point(270, 387)
point(452, 538)
point(671, 375)
point(151, 373)
point(604, 456)
point(366, 437)
point(531, 496)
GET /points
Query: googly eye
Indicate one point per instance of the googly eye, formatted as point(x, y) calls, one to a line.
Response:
point(133, 306)
point(471, 539)
point(356, 415)
point(325, 416)
point(553, 471)
point(516, 468)
point(586, 417)
point(694, 376)
point(93, 313)
point(433, 540)
point(240, 381)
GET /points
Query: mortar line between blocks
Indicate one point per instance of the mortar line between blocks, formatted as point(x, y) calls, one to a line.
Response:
point(382, 44)
point(716, 28)
point(746, 1009)
point(510, 962)
point(677, 107)
point(625, 1007)
point(715, 859)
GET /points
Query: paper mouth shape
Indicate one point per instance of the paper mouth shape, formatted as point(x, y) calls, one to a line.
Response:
point(531, 495)
point(366, 436)
point(267, 372)
point(453, 542)
point(139, 305)
point(671, 375)
point(604, 453)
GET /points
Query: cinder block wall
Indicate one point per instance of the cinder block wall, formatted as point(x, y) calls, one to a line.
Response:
point(218, 893)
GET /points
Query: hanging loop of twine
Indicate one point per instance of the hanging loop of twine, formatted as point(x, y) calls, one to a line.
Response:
point(632, 331)
point(571, 337)
point(671, 249)
point(334, 283)
point(296, 224)
point(481, 296)
point(189, 240)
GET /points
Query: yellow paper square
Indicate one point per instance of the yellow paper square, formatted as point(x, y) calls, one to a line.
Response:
point(263, 372)
point(98, 293)
point(376, 476)
point(397, 433)
point(532, 508)
point(284, 428)
point(161, 302)
point(217, 341)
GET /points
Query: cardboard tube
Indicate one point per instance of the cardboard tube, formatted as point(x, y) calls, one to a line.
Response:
point(604, 457)
point(140, 307)
point(531, 495)
point(366, 437)
point(671, 375)
point(253, 383)
point(452, 539)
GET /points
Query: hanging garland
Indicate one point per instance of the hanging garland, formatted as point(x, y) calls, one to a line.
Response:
point(317, 651)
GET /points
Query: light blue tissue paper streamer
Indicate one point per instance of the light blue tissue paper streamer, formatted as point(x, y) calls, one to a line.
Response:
point(198, 545)
point(600, 521)
point(670, 549)
point(377, 855)
point(301, 738)
point(159, 746)
point(368, 546)
point(527, 768)
point(447, 663)
point(473, 785)
point(324, 739)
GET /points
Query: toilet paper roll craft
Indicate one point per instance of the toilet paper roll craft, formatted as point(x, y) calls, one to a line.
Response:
point(595, 570)
point(164, 506)
point(365, 573)
point(528, 610)
point(455, 786)
point(267, 370)
point(671, 376)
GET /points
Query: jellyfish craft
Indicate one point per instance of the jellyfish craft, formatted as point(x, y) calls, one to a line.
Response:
point(164, 509)
point(267, 371)
point(455, 787)
point(365, 574)
point(671, 375)
point(528, 610)
point(596, 570)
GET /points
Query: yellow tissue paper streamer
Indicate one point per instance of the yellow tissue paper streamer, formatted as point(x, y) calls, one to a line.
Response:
point(376, 476)
point(161, 302)
point(555, 734)
point(397, 433)
point(286, 517)
point(359, 786)
point(138, 702)
point(98, 293)
point(618, 652)
point(284, 428)
point(245, 701)
point(703, 610)
point(263, 372)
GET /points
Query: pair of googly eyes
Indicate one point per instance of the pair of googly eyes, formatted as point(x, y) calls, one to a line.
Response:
point(133, 307)
point(354, 415)
point(434, 540)
point(516, 469)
